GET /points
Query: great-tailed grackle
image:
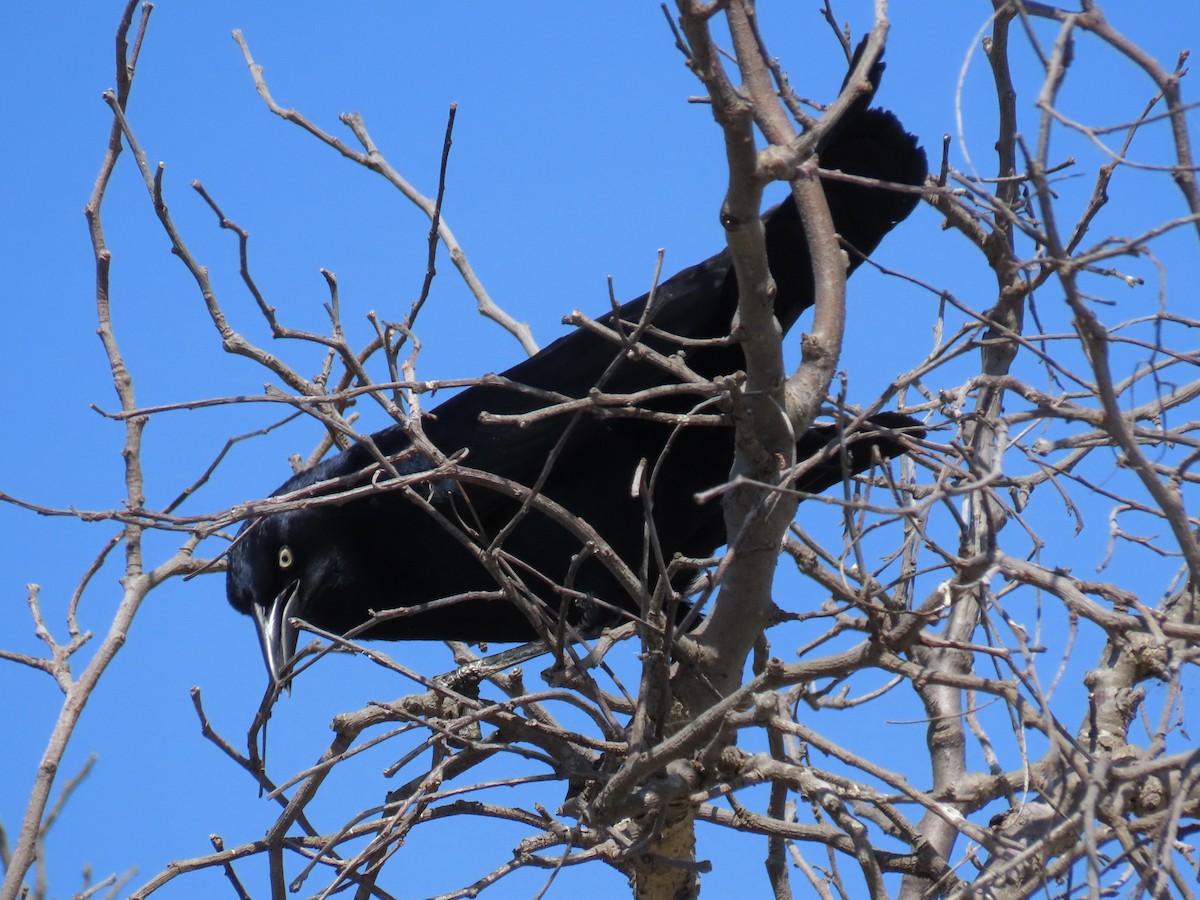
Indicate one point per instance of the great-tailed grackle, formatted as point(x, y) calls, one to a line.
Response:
point(335, 563)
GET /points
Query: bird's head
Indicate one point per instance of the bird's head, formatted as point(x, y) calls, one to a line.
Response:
point(269, 579)
point(329, 562)
point(291, 565)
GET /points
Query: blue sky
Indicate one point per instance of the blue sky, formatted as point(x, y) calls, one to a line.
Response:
point(576, 157)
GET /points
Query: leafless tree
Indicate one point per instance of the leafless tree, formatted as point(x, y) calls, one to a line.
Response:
point(951, 577)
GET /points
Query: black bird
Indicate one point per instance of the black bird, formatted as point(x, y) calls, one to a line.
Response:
point(334, 564)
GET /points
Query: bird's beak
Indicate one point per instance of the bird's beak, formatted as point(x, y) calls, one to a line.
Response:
point(277, 634)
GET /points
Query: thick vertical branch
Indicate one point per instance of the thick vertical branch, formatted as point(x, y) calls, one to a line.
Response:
point(767, 423)
point(776, 407)
point(759, 336)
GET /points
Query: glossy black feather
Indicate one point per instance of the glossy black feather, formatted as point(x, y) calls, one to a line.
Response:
point(384, 551)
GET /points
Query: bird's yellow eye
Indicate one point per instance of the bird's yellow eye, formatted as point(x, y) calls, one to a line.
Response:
point(285, 557)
